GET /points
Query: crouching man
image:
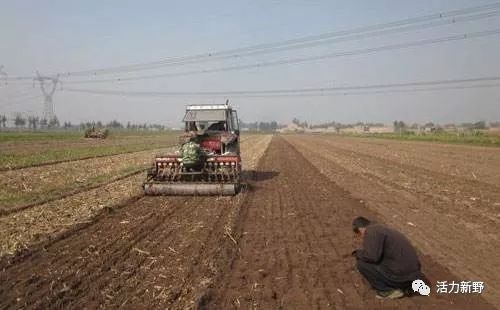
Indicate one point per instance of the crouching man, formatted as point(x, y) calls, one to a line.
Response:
point(387, 259)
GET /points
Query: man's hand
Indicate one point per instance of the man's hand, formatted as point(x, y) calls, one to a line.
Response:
point(354, 253)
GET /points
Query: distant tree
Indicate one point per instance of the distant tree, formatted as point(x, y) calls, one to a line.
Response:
point(43, 122)
point(54, 122)
point(429, 124)
point(19, 121)
point(157, 127)
point(114, 124)
point(273, 125)
point(3, 121)
point(331, 124)
point(399, 126)
point(33, 122)
point(98, 124)
point(67, 125)
point(479, 125)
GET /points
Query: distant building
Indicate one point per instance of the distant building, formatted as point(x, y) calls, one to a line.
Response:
point(429, 129)
point(291, 128)
point(367, 129)
point(385, 129)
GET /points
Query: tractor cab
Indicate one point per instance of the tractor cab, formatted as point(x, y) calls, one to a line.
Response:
point(215, 127)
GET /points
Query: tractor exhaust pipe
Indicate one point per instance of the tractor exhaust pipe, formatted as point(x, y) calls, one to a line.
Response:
point(185, 189)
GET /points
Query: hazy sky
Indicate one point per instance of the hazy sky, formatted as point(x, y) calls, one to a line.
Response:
point(58, 36)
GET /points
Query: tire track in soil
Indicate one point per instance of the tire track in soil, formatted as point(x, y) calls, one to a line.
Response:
point(296, 243)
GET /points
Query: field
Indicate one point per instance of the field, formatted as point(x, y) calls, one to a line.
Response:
point(77, 232)
point(483, 138)
point(25, 149)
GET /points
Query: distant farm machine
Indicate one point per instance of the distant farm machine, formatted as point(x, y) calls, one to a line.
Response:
point(96, 133)
point(215, 130)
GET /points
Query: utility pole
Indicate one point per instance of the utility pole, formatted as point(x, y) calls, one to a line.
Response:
point(4, 75)
point(48, 105)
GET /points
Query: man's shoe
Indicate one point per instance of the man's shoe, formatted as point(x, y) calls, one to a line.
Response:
point(394, 294)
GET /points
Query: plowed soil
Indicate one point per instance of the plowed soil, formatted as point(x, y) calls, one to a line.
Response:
point(296, 244)
point(444, 197)
point(282, 243)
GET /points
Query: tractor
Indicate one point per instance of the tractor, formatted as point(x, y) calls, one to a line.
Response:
point(215, 129)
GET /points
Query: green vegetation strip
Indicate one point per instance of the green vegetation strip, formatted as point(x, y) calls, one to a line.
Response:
point(13, 136)
point(30, 136)
point(119, 143)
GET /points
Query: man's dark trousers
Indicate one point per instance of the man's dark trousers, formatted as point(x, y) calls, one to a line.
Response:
point(378, 280)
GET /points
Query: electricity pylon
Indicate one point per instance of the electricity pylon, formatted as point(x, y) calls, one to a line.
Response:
point(48, 104)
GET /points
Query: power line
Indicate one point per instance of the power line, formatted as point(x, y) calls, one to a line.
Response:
point(354, 93)
point(377, 92)
point(398, 46)
point(307, 41)
point(303, 91)
point(306, 44)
